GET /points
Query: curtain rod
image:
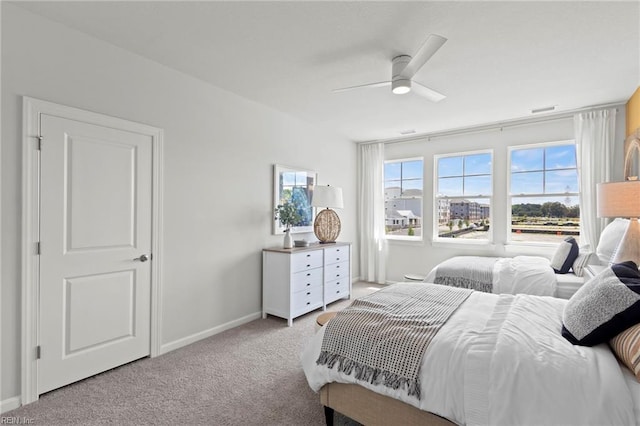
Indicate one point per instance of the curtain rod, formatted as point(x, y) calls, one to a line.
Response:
point(498, 125)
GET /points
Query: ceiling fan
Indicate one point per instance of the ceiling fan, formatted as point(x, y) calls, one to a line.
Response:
point(404, 67)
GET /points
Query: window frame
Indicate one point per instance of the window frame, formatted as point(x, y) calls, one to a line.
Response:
point(436, 239)
point(406, 238)
point(509, 196)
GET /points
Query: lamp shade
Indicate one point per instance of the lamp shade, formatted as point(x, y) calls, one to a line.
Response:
point(327, 196)
point(619, 199)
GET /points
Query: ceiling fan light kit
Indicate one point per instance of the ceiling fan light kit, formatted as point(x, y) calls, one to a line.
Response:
point(400, 84)
point(405, 67)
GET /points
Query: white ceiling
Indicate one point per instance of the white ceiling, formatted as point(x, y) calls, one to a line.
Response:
point(501, 60)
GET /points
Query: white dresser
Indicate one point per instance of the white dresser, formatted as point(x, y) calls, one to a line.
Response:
point(299, 280)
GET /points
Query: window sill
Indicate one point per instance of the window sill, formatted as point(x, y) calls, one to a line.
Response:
point(532, 248)
point(461, 243)
point(407, 241)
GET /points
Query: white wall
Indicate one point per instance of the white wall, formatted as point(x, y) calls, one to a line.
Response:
point(420, 257)
point(219, 152)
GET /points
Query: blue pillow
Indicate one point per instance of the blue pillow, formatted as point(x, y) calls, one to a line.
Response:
point(565, 255)
point(604, 306)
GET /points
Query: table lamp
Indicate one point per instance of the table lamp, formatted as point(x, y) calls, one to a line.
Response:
point(622, 199)
point(327, 223)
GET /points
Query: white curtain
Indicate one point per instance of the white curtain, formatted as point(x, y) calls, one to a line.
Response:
point(594, 133)
point(373, 245)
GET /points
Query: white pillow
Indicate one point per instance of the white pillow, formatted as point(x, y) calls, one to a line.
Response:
point(610, 238)
point(580, 262)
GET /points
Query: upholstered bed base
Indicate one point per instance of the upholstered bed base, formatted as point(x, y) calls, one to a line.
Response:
point(370, 408)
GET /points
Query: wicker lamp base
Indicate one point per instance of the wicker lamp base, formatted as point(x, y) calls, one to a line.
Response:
point(327, 226)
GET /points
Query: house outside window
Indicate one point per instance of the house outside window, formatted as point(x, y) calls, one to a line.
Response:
point(463, 196)
point(544, 193)
point(403, 188)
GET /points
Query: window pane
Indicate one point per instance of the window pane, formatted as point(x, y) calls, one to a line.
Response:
point(412, 169)
point(392, 189)
point(450, 186)
point(477, 185)
point(464, 219)
point(544, 219)
point(479, 164)
point(392, 170)
point(561, 181)
point(413, 185)
point(527, 183)
point(523, 160)
point(560, 157)
point(403, 198)
point(450, 166)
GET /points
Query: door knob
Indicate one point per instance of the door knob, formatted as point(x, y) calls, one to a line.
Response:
point(142, 258)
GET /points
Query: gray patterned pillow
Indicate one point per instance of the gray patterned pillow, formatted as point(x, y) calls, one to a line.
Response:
point(604, 306)
point(565, 255)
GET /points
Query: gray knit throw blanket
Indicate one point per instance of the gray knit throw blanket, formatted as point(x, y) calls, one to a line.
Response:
point(381, 338)
point(474, 272)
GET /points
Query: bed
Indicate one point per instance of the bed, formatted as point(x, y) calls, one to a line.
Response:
point(511, 275)
point(561, 276)
point(521, 274)
point(497, 359)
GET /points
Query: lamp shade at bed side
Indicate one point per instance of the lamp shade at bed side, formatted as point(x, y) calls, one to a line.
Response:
point(327, 224)
point(622, 199)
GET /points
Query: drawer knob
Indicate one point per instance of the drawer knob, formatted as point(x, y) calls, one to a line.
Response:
point(308, 293)
point(308, 284)
point(337, 291)
point(337, 275)
point(309, 274)
point(308, 266)
point(308, 303)
point(338, 267)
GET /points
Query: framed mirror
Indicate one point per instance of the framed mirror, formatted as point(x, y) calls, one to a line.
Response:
point(632, 156)
point(294, 185)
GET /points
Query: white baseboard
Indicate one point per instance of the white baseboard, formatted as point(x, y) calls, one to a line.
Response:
point(176, 344)
point(9, 404)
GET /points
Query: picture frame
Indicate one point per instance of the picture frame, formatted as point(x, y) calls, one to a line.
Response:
point(292, 184)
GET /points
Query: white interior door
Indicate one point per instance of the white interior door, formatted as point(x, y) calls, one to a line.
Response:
point(95, 224)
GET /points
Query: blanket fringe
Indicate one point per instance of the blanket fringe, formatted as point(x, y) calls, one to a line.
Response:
point(368, 374)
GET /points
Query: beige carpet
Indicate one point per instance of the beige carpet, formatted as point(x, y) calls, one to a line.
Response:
point(250, 375)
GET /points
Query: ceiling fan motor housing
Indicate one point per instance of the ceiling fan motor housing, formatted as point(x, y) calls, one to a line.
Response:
point(399, 83)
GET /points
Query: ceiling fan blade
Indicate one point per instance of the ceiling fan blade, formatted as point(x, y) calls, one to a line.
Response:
point(424, 91)
point(363, 86)
point(431, 46)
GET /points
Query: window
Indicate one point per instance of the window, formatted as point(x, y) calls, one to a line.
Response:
point(544, 194)
point(463, 189)
point(403, 186)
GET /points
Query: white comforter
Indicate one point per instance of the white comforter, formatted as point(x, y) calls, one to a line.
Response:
point(519, 275)
point(501, 360)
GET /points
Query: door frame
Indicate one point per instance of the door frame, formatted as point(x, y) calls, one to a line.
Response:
point(31, 111)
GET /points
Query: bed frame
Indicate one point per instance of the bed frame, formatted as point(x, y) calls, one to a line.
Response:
point(371, 409)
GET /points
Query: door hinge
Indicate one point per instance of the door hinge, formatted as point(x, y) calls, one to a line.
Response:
point(38, 352)
point(39, 143)
point(38, 248)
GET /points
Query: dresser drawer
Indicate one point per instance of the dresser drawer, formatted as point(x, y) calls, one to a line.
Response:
point(335, 290)
point(306, 260)
point(336, 255)
point(307, 300)
point(336, 271)
point(306, 279)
